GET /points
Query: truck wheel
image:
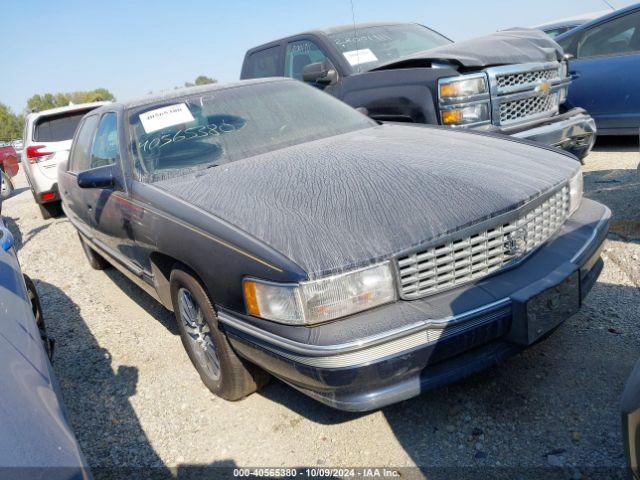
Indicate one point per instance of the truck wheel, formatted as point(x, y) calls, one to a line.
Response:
point(7, 186)
point(96, 260)
point(50, 210)
point(220, 369)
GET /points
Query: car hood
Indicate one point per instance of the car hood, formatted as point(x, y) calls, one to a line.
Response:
point(518, 45)
point(353, 199)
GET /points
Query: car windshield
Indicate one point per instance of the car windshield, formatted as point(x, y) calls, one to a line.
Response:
point(369, 47)
point(219, 126)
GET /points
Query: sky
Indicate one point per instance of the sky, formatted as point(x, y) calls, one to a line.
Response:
point(134, 47)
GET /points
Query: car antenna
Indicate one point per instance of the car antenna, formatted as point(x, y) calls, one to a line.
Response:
point(355, 31)
point(609, 5)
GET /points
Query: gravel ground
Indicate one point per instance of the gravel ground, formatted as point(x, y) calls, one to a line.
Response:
point(134, 399)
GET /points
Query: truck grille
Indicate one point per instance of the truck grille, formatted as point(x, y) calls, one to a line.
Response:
point(527, 107)
point(463, 260)
point(526, 78)
point(520, 93)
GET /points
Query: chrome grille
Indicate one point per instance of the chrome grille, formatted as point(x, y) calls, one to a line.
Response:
point(527, 107)
point(462, 260)
point(525, 78)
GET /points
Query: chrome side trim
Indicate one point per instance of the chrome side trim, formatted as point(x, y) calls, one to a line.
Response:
point(594, 234)
point(395, 346)
point(365, 343)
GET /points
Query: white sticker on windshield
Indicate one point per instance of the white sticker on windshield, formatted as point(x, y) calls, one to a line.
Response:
point(164, 117)
point(357, 57)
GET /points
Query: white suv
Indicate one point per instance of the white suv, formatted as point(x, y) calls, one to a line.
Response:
point(47, 139)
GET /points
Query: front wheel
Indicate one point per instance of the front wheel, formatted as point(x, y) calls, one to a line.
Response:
point(7, 185)
point(220, 369)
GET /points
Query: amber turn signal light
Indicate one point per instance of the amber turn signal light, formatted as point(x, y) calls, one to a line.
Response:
point(452, 117)
point(250, 298)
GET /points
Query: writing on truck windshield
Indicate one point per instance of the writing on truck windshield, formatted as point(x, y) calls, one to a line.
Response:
point(369, 47)
point(220, 126)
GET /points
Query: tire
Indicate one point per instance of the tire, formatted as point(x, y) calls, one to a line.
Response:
point(50, 210)
point(96, 260)
point(36, 308)
point(7, 186)
point(221, 370)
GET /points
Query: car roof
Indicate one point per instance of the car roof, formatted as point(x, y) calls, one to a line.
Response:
point(575, 20)
point(617, 13)
point(331, 30)
point(169, 95)
point(68, 108)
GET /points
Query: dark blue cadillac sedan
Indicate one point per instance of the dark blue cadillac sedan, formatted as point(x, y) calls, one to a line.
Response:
point(360, 263)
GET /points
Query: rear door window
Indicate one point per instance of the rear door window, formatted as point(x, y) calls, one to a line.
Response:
point(265, 63)
point(57, 128)
point(80, 153)
point(106, 150)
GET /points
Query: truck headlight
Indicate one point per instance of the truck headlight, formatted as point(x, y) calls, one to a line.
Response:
point(464, 100)
point(316, 301)
point(466, 115)
point(463, 86)
point(576, 188)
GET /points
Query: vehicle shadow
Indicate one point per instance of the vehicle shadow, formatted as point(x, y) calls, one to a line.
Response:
point(20, 240)
point(143, 299)
point(617, 144)
point(96, 397)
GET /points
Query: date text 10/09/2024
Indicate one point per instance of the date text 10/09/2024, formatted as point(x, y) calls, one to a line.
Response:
point(317, 472)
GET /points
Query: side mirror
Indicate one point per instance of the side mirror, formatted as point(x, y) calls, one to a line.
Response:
point(321, 73)
point(101, 177)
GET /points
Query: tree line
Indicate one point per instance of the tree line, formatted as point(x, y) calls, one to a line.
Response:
point(12, 124)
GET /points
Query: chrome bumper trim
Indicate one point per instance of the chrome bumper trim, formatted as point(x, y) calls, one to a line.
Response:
point(375, 347)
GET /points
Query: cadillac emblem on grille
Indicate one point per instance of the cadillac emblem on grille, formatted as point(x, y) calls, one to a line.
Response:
point(515, 243)
point(458, 260)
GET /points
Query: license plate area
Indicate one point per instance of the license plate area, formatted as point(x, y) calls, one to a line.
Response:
point(550, 308)
point(539, 308)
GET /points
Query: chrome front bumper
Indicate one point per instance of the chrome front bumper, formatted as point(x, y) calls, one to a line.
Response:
point(574, 131)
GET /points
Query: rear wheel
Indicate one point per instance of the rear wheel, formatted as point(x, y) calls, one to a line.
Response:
point(7, 185)
point(96, 260)
point(50, 210)
point(220, 369)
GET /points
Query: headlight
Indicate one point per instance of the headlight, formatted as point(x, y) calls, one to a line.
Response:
point(308, 303)
point(464, 100)
point(466, 115)
point(461, 87)
point(576, 187)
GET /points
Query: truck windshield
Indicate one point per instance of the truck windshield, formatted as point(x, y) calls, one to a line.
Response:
point(216, 126)
point(369, 47)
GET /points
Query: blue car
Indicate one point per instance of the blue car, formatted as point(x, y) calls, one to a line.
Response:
point(36, 440)
point(631, 422)
point(605, 68)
